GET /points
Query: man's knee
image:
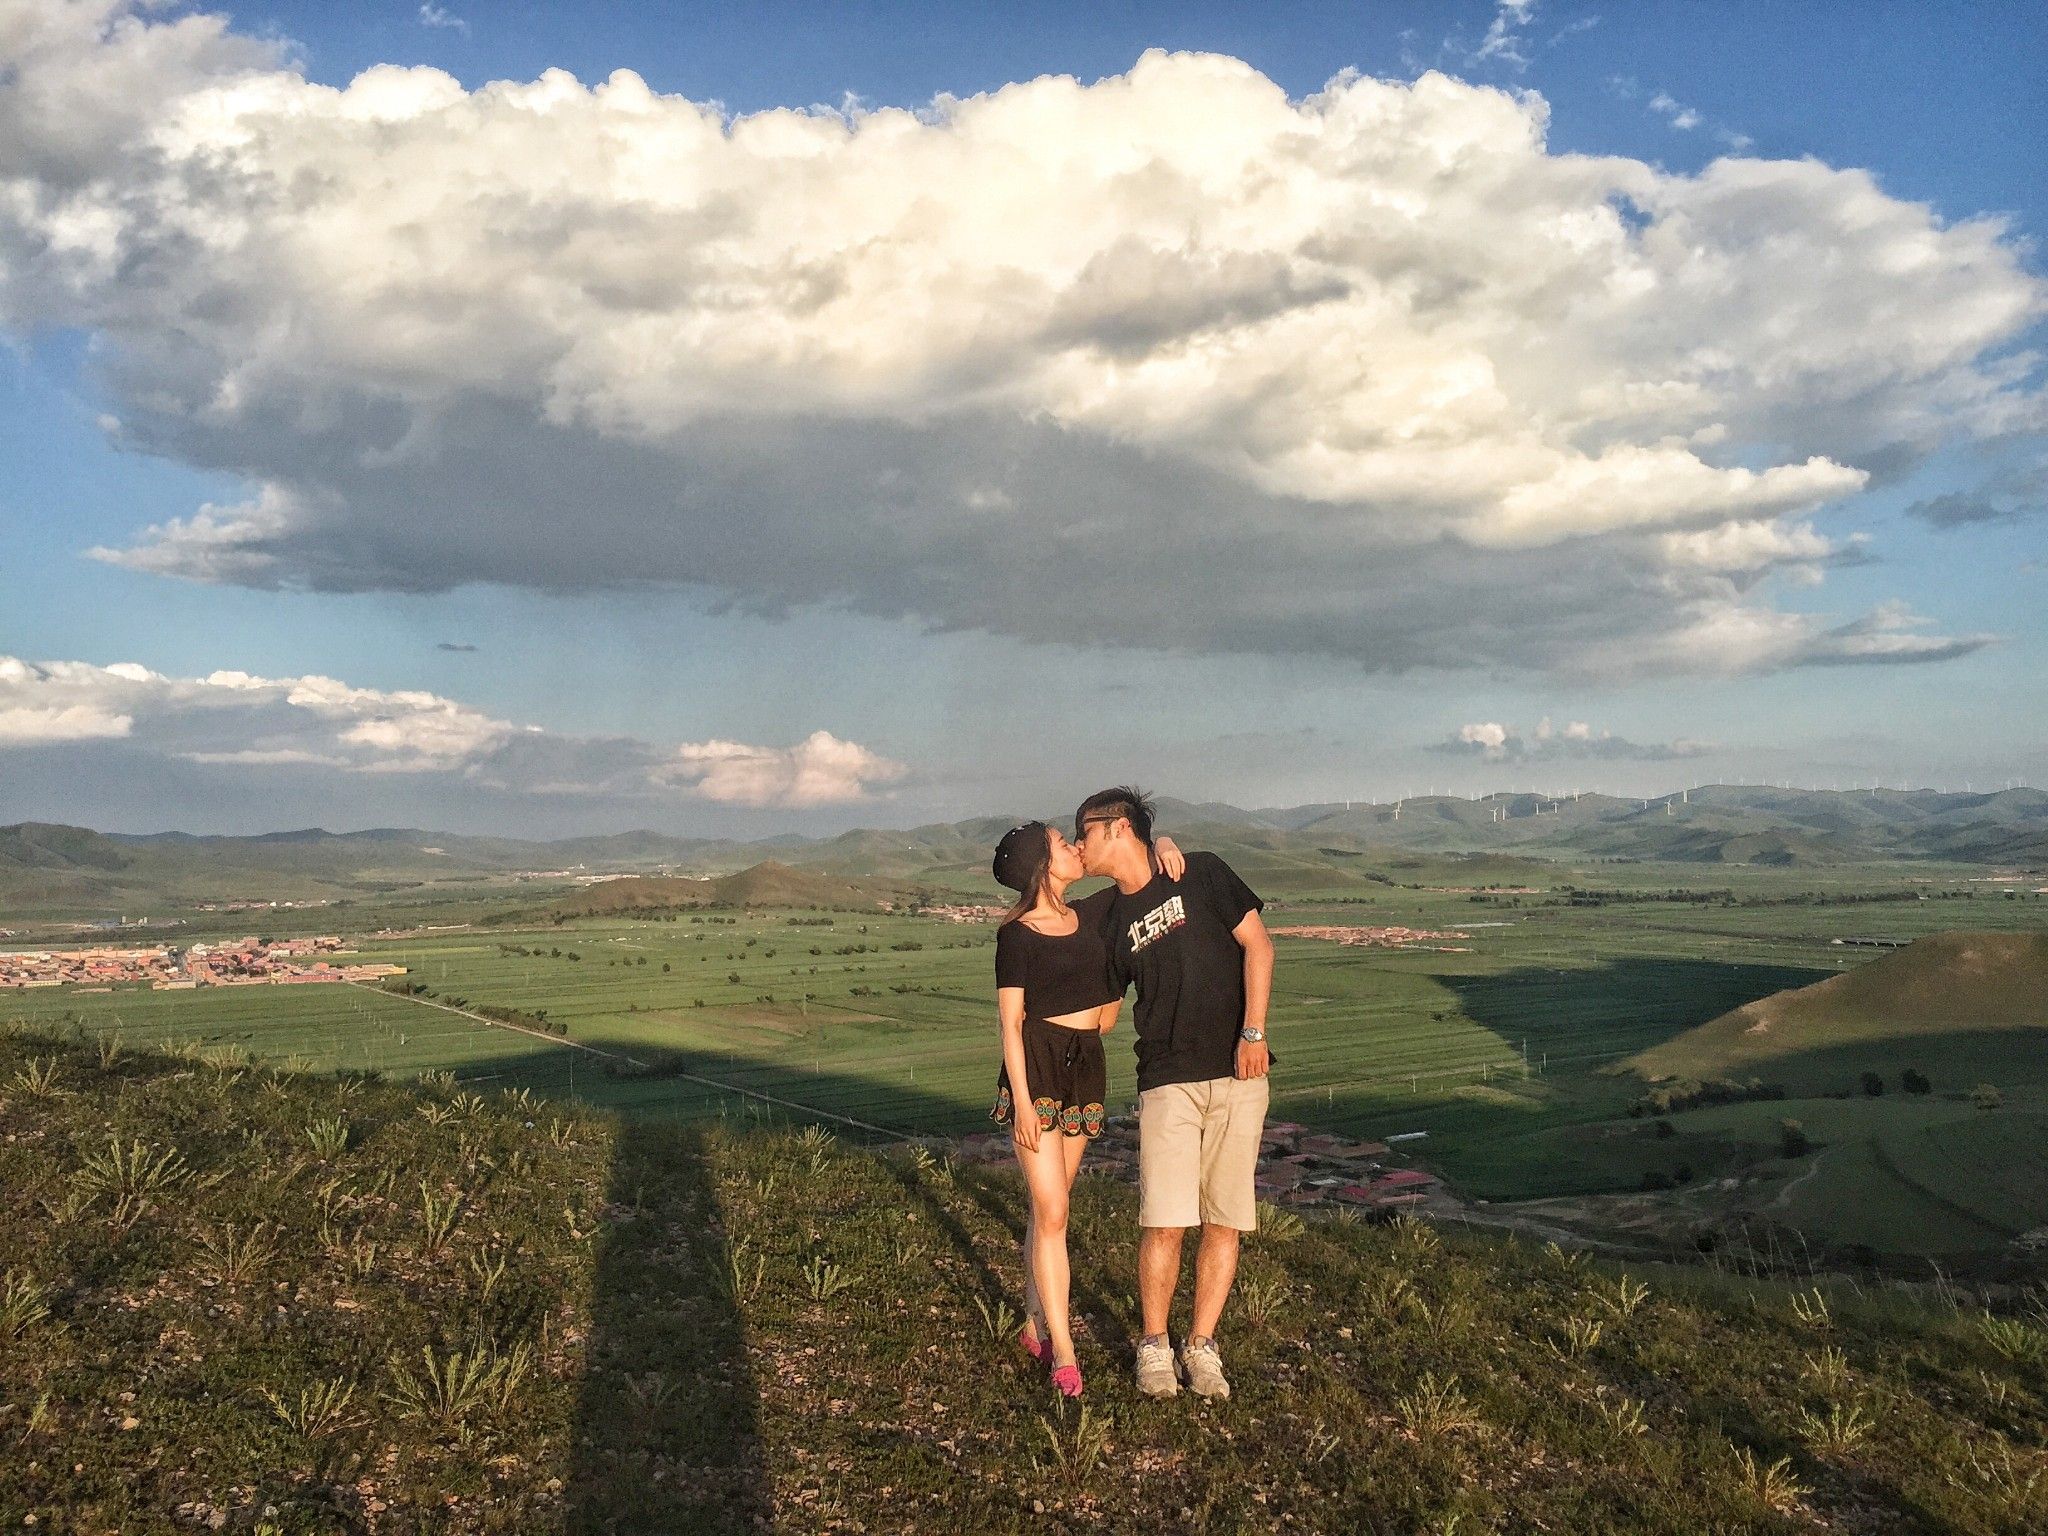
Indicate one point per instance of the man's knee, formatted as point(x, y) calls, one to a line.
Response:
point(1222, 1236)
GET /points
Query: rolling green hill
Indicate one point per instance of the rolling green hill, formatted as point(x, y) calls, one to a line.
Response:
point(1957, 1005)
point(767, 884)
point(244, 1299)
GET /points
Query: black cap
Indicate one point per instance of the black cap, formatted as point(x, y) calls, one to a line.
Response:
point(1021, 856)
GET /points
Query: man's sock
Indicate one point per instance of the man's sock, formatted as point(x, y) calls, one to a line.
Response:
point(1155, 1338)
point(1196, 1339)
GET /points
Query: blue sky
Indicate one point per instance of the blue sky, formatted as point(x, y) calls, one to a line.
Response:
point(1016, 671)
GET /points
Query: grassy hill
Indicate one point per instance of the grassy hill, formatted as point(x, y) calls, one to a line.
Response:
point(46, 869)
point(237, 1299)
point(1956, 1003)
point(767, 884)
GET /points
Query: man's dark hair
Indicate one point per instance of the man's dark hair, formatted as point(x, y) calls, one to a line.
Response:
point(1127, 801)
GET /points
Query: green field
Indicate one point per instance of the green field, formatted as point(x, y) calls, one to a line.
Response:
point(1499, 1052)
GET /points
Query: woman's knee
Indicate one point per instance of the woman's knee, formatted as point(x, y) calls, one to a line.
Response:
point(1049, 1216)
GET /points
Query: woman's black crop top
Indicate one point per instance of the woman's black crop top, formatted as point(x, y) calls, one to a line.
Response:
point(1059, 975)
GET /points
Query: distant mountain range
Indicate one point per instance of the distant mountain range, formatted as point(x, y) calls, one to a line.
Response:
point(51, 869)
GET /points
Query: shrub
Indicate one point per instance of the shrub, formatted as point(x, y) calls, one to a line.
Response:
point(1873, 1085)
point(1689, 1093)
point(1912, 1080)
point(1792, 1139)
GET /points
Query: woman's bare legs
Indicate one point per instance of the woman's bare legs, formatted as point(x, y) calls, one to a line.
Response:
point(1049, 1176)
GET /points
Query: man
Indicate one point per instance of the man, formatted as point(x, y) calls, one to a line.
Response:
point(1203, 963)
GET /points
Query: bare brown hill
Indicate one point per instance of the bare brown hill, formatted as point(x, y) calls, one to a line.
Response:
point(767, 884)
point(1962, 991)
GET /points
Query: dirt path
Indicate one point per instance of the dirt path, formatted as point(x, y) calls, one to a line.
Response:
point(810, 1110)
point(1785, 1195)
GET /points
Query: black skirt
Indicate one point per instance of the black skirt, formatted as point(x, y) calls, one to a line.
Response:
point(1068, 1080)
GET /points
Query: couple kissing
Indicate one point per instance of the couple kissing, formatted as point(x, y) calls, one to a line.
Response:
point(1186, 931)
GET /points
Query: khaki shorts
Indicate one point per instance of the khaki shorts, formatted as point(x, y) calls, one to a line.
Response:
point(1198, 1153)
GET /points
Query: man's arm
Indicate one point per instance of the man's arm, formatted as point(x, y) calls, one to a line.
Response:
point(1253, 1058)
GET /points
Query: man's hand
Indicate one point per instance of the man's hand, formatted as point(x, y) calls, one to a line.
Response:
point(1253, 1059)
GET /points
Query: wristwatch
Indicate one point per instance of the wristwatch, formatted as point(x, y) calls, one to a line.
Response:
point(1251, 1033)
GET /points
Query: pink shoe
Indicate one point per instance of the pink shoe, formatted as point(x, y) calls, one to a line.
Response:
point(1068, 1379)
point(1035, 1348)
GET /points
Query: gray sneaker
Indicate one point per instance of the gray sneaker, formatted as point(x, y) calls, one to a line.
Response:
point(1205, 1369)
point(1156, 1375)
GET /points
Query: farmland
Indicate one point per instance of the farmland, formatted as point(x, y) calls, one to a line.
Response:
point(1501, 1045)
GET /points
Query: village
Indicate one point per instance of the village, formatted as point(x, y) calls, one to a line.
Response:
point(1297, 1166)
point(1395, 937)
point(165, 968)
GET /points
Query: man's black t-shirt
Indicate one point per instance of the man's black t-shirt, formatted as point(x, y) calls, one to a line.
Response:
point(1173, 938)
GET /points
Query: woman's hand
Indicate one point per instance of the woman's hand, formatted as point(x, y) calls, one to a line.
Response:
point(1025, 1131)
point(1167, 858)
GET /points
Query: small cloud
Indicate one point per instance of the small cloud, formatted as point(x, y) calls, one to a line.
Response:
point(450, 645)
point(819, 770)
point(2006, 497)
point(1504, 35)
point(1959, 509)
point(1678, 114)
point(76, 722)
point(1884, 636)
point(440, 16)
point(1491, 741)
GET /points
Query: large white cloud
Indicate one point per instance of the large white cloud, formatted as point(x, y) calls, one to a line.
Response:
point(1371, 373)
point(256, 723)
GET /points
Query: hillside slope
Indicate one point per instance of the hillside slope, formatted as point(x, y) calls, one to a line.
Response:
point(239, 1300)
point(767, 884)
point(1966, 997)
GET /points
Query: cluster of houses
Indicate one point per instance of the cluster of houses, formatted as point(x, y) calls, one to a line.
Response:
point(1297, 1166)
point(264, 906)
point(958, 912)
point(1393, 937)
point(241, 962)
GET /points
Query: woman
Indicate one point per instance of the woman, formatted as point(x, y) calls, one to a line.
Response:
point(1055, 1000)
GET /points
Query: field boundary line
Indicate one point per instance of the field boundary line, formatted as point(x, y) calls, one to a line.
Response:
point(1883, 1156)
point(520, 1029)
point(634, 1061)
